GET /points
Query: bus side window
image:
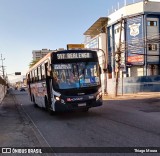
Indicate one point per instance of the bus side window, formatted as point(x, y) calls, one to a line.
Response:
point(33, 79)
point(35, 75)
point(46, 69)
point(38, 73)
point(29, 78)
point(43, 71)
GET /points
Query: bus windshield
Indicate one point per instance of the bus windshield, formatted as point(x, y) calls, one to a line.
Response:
point(75, 75)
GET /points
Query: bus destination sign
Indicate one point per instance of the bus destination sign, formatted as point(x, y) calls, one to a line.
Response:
point(73, 56)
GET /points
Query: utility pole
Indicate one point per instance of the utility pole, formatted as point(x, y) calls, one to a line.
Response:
point(118, 58)
point(2, 59)
point(105, 71)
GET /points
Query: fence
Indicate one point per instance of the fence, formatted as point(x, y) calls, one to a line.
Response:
point(135, 84)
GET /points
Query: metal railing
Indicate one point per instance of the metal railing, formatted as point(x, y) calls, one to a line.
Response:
point(120, 5)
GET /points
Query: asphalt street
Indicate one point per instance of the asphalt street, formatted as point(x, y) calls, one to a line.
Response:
point(124, 121)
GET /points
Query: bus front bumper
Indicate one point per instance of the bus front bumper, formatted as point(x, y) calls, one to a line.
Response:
point(60, 107)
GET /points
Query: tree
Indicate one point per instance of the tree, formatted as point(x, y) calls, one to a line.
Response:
point(33, 62)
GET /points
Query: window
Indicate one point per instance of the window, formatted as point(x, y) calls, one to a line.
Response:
point(117, 30)
point(43, 71)
point(30, 78)
point(151, 23)
point(33, 78)
point(152, 47)
point(39, 73)
point(35, 74)
point(75, 75)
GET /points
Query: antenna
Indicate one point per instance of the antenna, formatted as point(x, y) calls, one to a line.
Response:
point(118, 5)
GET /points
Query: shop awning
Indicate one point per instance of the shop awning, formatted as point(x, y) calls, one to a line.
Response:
point(98, 27)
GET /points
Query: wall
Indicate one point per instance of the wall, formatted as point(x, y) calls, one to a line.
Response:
point(135, 84)
point(152, 7)
point(3, 89)
point(153, 34)
point(133, 9)
point(128, 10)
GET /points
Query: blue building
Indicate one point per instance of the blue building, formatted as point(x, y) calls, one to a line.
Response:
point(134, 48)
point(139, 27)
point(131, 42)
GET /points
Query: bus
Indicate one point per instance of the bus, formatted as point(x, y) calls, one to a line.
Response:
point(66, 80)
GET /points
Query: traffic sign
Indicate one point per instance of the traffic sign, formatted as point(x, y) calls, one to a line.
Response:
point(75, 46)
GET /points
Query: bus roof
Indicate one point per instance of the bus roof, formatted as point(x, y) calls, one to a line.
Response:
point(61, 51)
point(40, 61)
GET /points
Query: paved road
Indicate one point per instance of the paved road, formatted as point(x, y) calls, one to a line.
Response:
point(118, 123)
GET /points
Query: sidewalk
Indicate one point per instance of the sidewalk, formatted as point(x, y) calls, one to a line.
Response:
point(132, 96)
point(15, 129)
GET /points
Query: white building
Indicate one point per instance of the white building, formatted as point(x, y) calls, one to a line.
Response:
point(37, 54)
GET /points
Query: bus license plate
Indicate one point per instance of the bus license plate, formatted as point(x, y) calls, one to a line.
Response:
point(81, 104)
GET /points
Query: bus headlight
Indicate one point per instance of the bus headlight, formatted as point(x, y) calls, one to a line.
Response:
point(57, 98)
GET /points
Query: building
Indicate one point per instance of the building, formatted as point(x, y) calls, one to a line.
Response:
point(139, 28)
point(37, 54)
point(95, 39)
point(132, 46)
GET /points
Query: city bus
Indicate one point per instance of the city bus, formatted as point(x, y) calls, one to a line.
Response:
point(66, 80)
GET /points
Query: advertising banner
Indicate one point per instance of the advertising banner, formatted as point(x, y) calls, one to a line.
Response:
point(135, 41)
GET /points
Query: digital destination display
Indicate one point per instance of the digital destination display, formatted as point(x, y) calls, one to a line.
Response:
point(73, 56)
point(62, 66)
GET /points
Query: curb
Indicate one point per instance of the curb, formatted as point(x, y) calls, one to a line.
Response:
point(133, 95)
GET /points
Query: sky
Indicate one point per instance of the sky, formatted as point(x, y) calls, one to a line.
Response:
point(27, 25)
